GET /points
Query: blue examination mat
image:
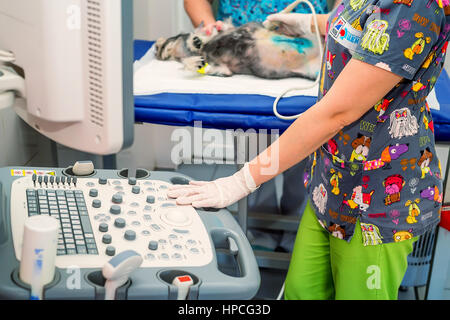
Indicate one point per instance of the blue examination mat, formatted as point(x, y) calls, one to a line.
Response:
point(249, 111)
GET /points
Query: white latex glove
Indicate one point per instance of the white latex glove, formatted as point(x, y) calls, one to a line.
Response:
point(219, 193)
point(290, 24)
point(209, 29)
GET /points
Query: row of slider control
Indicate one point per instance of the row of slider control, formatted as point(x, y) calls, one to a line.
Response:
point(52, 180)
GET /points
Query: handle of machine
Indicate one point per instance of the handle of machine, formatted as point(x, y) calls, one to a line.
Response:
point(246, 259)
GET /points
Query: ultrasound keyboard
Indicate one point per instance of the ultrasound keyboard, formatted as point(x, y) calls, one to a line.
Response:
point(104, 214)
point(102, 217)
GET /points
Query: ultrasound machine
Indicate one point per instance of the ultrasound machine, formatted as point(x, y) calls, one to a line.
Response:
point(119, 235)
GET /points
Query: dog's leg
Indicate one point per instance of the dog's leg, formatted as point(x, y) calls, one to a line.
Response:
point(198, 64)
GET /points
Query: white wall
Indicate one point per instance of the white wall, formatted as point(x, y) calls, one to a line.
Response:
point(159, 18)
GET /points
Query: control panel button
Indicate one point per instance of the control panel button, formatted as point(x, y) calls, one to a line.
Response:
point(120, 223)
point(96, 203)
point(132, 181)
point(130, 235)
point(151, 199)
point(153, 245)
point(181, 231)
point(106, 239)
point(115, 209)
point(103, 227)
point(110, 251)
point(136, 189)
point(93, 193)
point(102, 180)
point(117, 198)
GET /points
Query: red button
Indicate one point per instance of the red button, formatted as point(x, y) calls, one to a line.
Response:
point(184, 278)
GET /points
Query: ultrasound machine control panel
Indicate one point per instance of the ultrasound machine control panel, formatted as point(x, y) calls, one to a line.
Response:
point(104, 213)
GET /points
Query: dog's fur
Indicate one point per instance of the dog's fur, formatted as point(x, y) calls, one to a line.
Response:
point(249, 49)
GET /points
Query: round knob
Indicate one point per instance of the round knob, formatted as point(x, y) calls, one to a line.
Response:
point(106, 239)
point(136, 189)
point(120, 223)
point(103, 227)
point(117, 198)
point(153, 245)
point(132, 181)
point(130, 235)
point(93, 192)
point(150, 199)
point(96, 203)
point(115, 209)
point(110, 250)
point(102, 180)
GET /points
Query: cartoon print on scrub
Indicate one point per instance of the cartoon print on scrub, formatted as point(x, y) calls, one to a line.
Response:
point(334, 181)
point(443, 3)
point(330, 60)
point(337, 231)
point(393, 185)
point(432, 194)
point(426, 156)
point(418, 46)
point(402, 124)
point(371, 234)
point(402, 235)
point(357, 4)
point(404, 26)
point(414, 210)
point(360, 147)
point(359, 199)
point(391, 152)
point(407, 2)
point(381, 107)
point(376, 39)
point(320, 198)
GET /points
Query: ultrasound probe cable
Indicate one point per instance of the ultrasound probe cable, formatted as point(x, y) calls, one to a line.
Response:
point(288, 9)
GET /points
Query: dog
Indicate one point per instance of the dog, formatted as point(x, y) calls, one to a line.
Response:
point(249, 49)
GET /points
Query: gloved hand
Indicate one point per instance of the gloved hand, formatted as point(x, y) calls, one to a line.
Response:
point(219, 193)
point(291, 24)
point(212, 27)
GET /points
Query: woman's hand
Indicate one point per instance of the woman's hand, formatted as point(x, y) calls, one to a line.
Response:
point(219, 193)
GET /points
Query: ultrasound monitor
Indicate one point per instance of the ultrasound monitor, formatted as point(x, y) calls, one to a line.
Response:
point(76, 59)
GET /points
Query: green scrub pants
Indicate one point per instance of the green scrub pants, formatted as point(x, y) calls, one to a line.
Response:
point(324, 267)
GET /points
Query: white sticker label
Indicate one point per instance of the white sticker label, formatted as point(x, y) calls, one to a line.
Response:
point(345, 34)
point(25, 173)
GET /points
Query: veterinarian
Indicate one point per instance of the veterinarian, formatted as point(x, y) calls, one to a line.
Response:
point(293, 194)
point(382, 59)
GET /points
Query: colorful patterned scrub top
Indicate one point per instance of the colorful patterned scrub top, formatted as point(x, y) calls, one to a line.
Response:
point(383, 169)
point(243, 11)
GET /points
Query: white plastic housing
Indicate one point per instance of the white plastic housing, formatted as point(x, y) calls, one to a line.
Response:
point(71, 52)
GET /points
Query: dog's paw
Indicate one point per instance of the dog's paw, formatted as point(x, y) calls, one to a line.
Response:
point(197, 42)
point(194, 63)
point(194, 43)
